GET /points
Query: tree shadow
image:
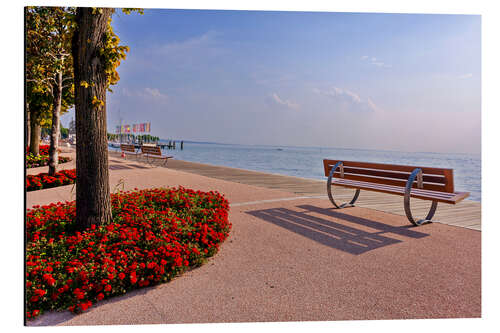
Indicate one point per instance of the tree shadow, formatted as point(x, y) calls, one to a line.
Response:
point(332, 231)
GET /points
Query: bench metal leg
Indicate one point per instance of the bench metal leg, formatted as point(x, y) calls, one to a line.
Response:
point(409, 184)
point(149, 161)
point(329, 190)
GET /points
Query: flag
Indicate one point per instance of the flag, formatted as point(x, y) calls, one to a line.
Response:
point(148, 127)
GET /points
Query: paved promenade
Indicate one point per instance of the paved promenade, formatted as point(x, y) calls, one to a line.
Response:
point(291, 257)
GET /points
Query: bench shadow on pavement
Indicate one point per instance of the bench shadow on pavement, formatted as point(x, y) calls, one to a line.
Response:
point(336, 230)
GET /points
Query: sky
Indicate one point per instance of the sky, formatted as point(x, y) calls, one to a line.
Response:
point(405, 82)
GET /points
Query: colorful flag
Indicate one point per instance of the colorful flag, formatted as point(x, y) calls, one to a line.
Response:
point(148, 127)
point(134, 128)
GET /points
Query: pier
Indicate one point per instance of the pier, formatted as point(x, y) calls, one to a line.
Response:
point(170, 145)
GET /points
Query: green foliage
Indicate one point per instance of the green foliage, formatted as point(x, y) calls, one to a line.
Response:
point(49, 32)
point(64, 132)
point(48, 45)
point(113, 53)
point(40, 104)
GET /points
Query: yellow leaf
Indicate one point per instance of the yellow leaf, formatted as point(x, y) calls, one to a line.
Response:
point(96, 102)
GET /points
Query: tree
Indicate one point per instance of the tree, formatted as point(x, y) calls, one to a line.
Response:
point(38, 103)
point(49, 64)
point(48, 72)
point(64, 133)
point(96, 55)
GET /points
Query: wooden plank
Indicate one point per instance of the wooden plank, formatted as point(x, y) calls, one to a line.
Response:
point(391, 181)
point(415, 193)
point(437, 179)
point(127, 148)
point(382, 166)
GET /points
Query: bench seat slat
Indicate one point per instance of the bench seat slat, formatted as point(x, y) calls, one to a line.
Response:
point(434, 179)
point(394, 188)
point(451, 198)
point(391, 182)
point(392, 178)
point(382, 166)
point(428, 178)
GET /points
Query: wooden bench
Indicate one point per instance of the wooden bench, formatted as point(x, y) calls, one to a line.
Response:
point(153, 153)
point(434, 184)
point(128, 149)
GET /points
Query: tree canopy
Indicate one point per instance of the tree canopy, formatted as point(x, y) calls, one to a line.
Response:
point(48, 51)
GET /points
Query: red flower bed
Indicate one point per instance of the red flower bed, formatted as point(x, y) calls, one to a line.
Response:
point(155, 235)
point(33, 161)
point(42, 149)
point(43, 180)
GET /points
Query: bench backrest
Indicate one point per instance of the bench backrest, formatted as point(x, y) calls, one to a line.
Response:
point(435, 179)
point(152, 150)
point(126, 147)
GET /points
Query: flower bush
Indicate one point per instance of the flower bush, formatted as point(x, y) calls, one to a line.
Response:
point(42, 149)
point(154, 235)
point(43, 180)
point(34, 161)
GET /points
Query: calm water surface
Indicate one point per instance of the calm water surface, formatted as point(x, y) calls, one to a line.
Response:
point(307, 162)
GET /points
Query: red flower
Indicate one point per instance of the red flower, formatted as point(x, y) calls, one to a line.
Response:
point(145, 242)
point(40, 292)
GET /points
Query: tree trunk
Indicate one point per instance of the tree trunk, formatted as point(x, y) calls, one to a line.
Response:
point(35, 137)
point(56, 124)
point(28, 125)
point(93, 204)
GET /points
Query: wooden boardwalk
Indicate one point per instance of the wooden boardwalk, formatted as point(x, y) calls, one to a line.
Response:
point(466, 214)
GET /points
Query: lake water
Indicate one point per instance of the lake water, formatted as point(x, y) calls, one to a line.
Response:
point(307, 162)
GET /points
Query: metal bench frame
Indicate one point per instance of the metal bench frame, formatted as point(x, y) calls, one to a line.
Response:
point(416, 174)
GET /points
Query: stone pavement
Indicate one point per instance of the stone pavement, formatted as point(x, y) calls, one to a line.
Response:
point(290, 257)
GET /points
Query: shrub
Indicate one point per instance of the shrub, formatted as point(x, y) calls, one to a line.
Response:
point(155, 235)
point(43, 180)
point(34, 161)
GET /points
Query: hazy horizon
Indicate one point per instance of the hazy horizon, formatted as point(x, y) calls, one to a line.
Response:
point(400, 82)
